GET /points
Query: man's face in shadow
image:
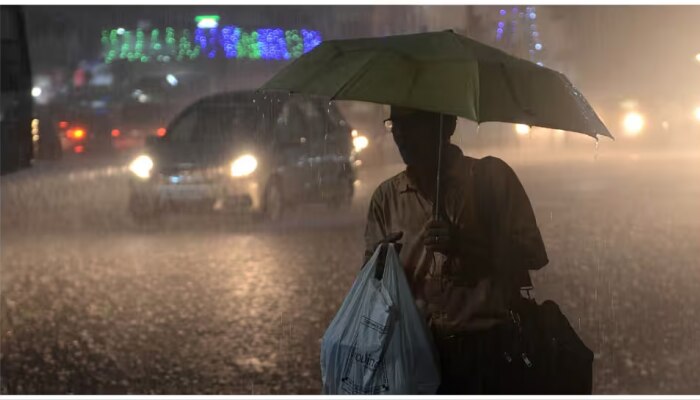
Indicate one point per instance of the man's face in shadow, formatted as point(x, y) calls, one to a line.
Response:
point(416, 135)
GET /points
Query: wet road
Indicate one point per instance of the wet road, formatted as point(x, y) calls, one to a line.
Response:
point(90, 303)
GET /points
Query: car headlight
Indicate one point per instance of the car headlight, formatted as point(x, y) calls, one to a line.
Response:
point(142, 166)
point(244, 166)
point(633, 123)
point(360, 143)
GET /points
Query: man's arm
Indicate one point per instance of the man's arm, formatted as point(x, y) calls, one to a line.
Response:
point(516, 239)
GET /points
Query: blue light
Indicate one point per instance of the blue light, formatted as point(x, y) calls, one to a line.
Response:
point(515, 10)
point(535, 34)
point(501, 24)
point(311, 39)
point(538, 46)
point(502, 12)
point(499, 31)
point(212, 42)
point(200, 38)
point(533, 15)
point(229, 41)
point(273, 44)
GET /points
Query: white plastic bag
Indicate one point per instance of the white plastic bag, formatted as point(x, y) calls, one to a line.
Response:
point(378, 343)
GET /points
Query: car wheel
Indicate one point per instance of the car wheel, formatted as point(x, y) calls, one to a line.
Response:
point(274, 202)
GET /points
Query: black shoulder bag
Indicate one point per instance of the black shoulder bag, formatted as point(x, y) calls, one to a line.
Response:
point(541, 352)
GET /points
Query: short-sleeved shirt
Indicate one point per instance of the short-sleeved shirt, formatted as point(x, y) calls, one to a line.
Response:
point(497, 232)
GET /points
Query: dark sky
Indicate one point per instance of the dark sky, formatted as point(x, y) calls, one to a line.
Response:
point(636, 50)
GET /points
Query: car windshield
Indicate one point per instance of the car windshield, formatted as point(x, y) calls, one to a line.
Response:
point(214, 123)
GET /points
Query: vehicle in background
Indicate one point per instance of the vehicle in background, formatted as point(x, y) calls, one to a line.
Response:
point(16, 98)
point(246, 152)
point(144, 107)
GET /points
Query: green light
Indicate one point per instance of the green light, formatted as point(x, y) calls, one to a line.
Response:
point(200, 18)
point(295, 45)
point(138, 48)
point(155, 45)
point(126, 44)
point(248, 46)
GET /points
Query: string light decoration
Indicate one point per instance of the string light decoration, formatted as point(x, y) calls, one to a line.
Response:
point(273, 44)
point(517, 33)
point(248, 46)
point(295, 44)
point(230, 42)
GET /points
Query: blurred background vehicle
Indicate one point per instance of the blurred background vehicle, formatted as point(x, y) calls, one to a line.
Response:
point(245, 151)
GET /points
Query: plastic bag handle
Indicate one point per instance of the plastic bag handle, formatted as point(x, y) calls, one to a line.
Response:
point(381, 260)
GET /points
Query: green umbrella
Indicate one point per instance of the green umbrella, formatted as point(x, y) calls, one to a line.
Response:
point(441, 72)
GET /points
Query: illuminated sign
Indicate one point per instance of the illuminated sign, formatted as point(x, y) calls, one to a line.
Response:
point(230, 41)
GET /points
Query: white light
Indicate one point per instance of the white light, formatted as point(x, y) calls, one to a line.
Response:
point(36, 91)
point(244, 166)
point(207, 23)
point(633, 123)
point(538, 46)
point(360, 143)
point(697, 113)
point(665, 125)
point(172, 80)
point(533, 15)
point(120, 31)
point(143, 98)
point(540, 63)
point(142, 166)
point(697, 57)
point(354, 133)
point(522, 129)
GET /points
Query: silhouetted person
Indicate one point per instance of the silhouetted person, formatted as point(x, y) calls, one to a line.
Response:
point(464, 267)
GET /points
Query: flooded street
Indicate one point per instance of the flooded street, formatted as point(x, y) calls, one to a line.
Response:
point(93, 303)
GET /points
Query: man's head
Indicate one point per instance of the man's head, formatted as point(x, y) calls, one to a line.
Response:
point(416, 134)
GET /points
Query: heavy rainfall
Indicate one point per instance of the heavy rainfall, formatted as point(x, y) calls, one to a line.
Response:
point(109, 286)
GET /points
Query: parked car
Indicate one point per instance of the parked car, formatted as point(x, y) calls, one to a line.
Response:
point(246, 152)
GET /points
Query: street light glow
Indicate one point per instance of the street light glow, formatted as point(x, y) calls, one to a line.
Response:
point(633, 123)
point(207, 21)
point(172, 80)
point(522, 129)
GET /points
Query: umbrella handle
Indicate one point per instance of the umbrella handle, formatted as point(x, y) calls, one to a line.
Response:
point(436, 204)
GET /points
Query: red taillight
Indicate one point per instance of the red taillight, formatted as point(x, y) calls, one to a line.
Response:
point(76, 134)
point(78, 149)
point(160, 132)
point(63, 124)
point(116, 133)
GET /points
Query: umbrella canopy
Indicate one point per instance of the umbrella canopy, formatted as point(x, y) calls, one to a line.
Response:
point(441, 72)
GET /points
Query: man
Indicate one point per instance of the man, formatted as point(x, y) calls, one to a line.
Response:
point(465, 266)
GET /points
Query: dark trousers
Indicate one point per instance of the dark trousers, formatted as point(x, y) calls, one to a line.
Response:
point(473, 363)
